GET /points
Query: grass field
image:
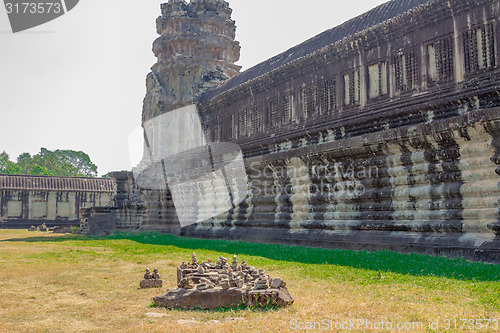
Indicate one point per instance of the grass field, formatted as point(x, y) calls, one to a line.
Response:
point(53, 283)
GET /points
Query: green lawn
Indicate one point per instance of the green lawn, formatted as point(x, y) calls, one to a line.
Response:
point(53, 283)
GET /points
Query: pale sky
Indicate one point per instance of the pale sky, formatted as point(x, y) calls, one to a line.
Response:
point(78, 82)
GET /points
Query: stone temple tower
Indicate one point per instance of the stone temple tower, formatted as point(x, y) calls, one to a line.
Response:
point(196, 51)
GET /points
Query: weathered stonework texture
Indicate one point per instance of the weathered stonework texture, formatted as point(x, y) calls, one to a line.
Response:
point(381, 133)
point(211, 286)
point(125, 210)
point(196, 51)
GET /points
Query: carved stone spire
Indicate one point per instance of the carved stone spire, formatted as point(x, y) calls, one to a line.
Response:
point(196, 51)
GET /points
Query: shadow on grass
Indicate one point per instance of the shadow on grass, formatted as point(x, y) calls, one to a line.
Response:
point(234, 309)
point(386, 261)
point(55, 239)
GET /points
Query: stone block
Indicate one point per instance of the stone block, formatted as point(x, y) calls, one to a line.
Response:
point(101, 224)
point(220, 298)
point(151, 283)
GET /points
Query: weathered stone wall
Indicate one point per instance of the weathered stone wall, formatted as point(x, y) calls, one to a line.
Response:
point(429, 189)
point(30, 200)
point(382, 133)
point(384, 139)
point(125, 210)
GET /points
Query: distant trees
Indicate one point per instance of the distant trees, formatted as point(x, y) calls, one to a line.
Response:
point(64, 163)
point(7, 166)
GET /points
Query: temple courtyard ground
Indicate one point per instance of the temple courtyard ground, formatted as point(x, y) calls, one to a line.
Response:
point(54, 283)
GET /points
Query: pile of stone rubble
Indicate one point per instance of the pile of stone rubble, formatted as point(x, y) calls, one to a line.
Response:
point(207, 285)
point(151, 280)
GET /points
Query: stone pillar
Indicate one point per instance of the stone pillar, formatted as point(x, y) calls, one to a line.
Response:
point(72, 206)
point(121, 194)
point(52, 206)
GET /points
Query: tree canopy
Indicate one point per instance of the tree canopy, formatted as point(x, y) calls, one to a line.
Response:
point(63, 163)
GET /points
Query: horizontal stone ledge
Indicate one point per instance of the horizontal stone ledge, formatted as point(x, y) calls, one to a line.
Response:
point(490, 117)
point(438, 227)
point(453, 245)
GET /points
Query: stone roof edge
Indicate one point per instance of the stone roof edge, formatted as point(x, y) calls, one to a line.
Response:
point(322, 49)
point(101, 184)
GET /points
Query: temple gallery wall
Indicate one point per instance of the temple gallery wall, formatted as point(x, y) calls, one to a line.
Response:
point(381, 133)
point(55, 201)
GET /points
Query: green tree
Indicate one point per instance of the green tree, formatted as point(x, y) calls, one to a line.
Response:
point(38, 170)
point(25, 163)
point(76, 162)
point(13, 169)
point(64, 163)
point(4, 159)
point(7, 166)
